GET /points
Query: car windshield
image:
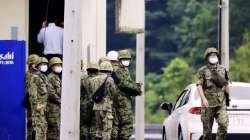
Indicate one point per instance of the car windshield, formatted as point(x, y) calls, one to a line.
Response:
point(240, 92)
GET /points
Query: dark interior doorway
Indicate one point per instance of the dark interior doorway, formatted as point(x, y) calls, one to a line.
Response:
point(37, 14)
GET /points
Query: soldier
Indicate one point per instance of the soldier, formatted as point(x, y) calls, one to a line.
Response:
point(102, 60)
point(212, 87)
point(113, 58)
point(87, 119)
point(38, 99)
point(32, 61)
point(105, 90)
point(54, 99)
point(128, 89)
point(43, 65)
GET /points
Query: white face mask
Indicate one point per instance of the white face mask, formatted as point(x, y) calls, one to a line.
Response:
point(213, 59)
point(43, 68)
point(125, 63)
point(58, 69)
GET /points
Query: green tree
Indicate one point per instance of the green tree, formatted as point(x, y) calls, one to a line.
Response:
point(239, 22)
point(197, 28)
point(240, 64)
point(166, 87)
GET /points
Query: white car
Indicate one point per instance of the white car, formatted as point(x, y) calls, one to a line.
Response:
point(184, 121)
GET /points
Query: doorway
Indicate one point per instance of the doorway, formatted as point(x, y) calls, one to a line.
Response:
point(37, 14)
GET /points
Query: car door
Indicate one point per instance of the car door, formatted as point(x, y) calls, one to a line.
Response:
point(173, 120)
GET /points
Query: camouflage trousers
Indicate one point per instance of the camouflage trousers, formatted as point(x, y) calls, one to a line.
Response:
point(125, 117)
point(115, 128)
point(39, 124)
point(86, 117)
point(53, 132)
point(28, 125)
point(104, 121)
point(53, 118)
point(207, 117)
point(92, 131)
point(84, 132)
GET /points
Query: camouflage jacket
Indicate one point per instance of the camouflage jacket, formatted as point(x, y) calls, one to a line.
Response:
point(38, 92)
point(214, 95)
point(110, 91)
point(127, 86)
point(27, 81)
point(26, 101)
point(115, 65)
point(86, 103)
point(54, 90)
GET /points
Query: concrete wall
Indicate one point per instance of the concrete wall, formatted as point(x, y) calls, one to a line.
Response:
point(13, 13)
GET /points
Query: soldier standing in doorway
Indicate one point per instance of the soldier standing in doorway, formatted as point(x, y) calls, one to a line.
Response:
point(38, 91)
point(54, 99)
point(32, 61)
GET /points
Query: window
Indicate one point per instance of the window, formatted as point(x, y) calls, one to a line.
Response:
point(185, 99)
point(179, 99)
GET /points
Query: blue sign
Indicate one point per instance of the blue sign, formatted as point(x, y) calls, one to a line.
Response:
point(12, 81)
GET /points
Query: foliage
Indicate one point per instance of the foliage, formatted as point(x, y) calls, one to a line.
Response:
point(197, 28)
point(240, 64)
point(161, 88)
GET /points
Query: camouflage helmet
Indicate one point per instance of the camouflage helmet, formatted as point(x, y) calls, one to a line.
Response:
point(33, 59)
point(43, 60)
point(54, 60)
point(210, 50)
point(93, 66)
point(106, 66)
point(103, 59)
point(124, 54)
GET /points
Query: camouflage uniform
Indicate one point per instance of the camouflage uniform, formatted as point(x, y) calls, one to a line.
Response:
point(115, 130)
point(113, 57)
point(128, 89)
point(28, 111)
point(31, 60)
point(216, 100)
point(38, 98)
point(103, 109)
point(54, 102)
point(87, 119)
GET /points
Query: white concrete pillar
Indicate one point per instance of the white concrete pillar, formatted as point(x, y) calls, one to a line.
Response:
point(140, 75)
point(70, 98)
point(225, 33)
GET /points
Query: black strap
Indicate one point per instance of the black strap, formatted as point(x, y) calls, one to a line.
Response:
point(220, 82)
point(100, 92)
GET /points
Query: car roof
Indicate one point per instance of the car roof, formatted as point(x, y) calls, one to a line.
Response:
point(232, 84)
point(243, 84)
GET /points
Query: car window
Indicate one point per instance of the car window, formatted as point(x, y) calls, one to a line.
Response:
point(179, 99)
point(185, 98)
